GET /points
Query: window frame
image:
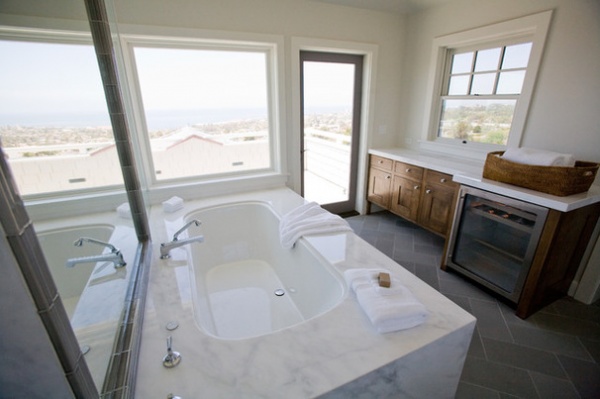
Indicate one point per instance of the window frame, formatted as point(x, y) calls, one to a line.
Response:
point(201, 40)
point(532, 28)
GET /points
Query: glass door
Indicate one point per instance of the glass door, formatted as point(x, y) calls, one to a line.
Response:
point(331, 86)
point(495, 240)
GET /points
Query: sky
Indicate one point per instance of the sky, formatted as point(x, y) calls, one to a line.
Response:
point(48, 79)
point(60, 84)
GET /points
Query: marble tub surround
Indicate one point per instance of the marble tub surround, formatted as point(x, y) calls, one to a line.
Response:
point(336, 354)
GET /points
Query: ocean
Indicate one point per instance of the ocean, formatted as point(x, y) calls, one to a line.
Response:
point(156, 120)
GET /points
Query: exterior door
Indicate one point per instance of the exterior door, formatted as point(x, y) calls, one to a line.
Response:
point(331, 97)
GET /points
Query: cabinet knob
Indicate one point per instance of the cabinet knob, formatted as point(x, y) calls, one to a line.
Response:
point(388, 177)
point(380, 161)
point(417, 187)
point(428, 191)
point(443, 180)
point(408, 170)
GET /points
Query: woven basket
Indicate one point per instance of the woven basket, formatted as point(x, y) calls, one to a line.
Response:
point(555, 180)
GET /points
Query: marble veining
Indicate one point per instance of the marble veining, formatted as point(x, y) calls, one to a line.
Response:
point(331, 355)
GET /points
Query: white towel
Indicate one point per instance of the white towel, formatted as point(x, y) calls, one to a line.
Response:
point(530, 156)
point(389, 309)
point(309, 219)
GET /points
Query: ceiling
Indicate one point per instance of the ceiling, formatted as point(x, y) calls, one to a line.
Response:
point(394, 6)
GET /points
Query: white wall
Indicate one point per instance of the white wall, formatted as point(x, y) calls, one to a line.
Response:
point(563, 115)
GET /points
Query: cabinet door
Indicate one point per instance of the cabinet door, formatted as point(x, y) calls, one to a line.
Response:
point(436, 208)
point(379, 187)
point(405, 197)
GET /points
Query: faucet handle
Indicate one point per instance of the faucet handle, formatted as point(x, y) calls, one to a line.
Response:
point(172, 358)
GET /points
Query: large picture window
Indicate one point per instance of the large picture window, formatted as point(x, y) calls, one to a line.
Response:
point(206, 110)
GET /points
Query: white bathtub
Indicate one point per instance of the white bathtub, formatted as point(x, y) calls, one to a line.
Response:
point(335, 355)
point(245, 284)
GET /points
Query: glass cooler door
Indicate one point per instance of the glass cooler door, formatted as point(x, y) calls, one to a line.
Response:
point(495, 240)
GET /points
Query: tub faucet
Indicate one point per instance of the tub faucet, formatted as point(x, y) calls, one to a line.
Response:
point(115, 256)
point(165, 247)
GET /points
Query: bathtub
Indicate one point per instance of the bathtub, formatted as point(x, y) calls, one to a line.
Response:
point(327, 349)
point(245, 284)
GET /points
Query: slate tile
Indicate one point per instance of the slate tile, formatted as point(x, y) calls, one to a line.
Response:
point(584, 375)
point(523, 357)
point(499, 377)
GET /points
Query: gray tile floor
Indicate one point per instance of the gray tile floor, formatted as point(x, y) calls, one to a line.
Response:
point(555, 353)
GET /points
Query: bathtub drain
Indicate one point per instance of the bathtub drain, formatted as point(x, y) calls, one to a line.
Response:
point(279, 292)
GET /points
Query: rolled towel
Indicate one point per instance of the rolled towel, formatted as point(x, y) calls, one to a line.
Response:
point(530, 156)
point(388, 309)
point(306, 220)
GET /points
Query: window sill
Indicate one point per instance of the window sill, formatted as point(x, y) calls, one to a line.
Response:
point(456, 148)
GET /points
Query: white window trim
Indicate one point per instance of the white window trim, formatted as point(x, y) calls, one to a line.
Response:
point(534, 26)
point(271, 45)
point(369, 51)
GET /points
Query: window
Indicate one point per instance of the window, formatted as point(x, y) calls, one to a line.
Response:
point(481, 91)
point(206, 110)
point(54, 123)
point(482, 82)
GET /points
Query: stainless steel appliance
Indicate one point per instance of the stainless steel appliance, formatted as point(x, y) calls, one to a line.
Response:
point(494, 239)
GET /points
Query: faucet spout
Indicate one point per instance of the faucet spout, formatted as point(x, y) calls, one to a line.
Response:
point(115, 256)
point(184, 228)
point(166, 247)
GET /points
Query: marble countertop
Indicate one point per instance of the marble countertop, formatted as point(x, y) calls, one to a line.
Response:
point(306, 360)
point(469, 172)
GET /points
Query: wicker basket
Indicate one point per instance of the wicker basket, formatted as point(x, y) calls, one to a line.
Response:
point(555, 180)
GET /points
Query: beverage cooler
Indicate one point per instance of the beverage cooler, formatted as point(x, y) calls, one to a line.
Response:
point(494, 239)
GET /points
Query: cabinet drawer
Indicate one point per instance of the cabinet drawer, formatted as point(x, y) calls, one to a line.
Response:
point(409, 171)
point(443, 179)
point(381, 163)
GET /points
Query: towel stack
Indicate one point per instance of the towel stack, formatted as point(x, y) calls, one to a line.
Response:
point(530, 156)
point(389, 309)
point(308, 219)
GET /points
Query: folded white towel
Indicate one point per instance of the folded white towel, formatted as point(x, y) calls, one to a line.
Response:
point(530, 156)
point(388, 309)
point(124, 211)
point(309, 219)
point(173, 204)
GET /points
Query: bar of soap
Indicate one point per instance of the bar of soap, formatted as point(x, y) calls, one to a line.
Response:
point(384, 280)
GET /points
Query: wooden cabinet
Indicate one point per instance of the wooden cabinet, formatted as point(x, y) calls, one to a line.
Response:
point(380, 181)
point(406, 190)
point(421, 195)
point(437, 204)
point(559, 253)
